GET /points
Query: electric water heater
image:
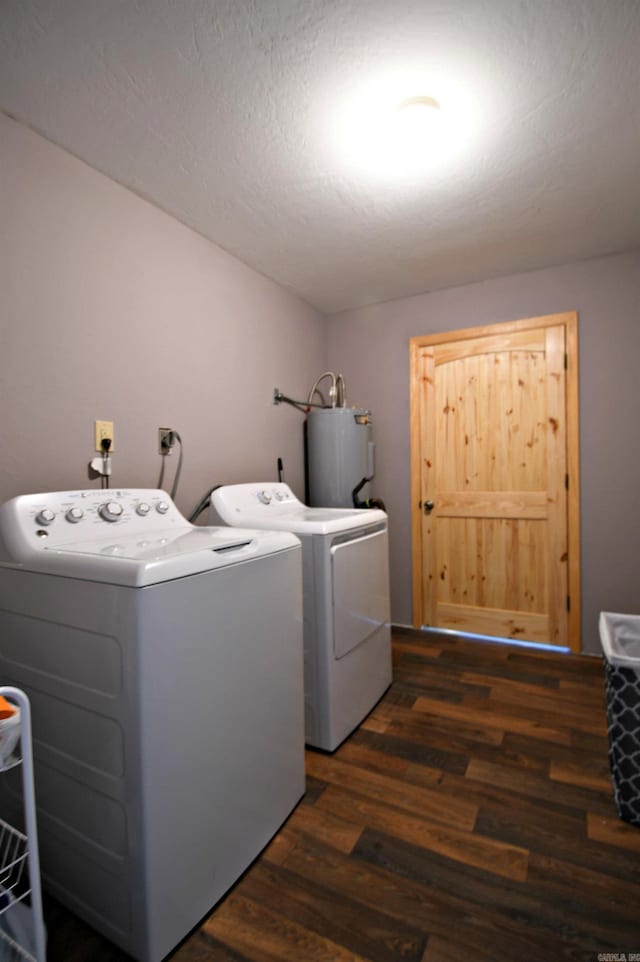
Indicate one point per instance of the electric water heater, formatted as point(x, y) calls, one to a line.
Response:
point(340, 453)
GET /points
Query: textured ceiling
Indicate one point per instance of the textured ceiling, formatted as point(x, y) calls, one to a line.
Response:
point(230, 115)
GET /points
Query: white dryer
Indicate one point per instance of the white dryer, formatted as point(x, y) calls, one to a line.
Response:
point(167, 711)
point(347, 637)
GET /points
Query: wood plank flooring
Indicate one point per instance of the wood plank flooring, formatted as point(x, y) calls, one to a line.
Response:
point(470, 817)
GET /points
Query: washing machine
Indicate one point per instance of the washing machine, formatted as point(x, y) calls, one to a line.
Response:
point(347, 638)
point(165, 671)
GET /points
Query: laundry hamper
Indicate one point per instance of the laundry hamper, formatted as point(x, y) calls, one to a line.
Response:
point(620, 638)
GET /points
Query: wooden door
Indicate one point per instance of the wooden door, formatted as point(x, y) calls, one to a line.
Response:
point(494, 480)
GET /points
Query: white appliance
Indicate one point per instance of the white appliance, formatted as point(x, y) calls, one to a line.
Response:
point(164, 667)
point(347, 637)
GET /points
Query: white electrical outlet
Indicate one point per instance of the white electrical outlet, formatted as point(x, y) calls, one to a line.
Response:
point(104, 432)
point(166, 440)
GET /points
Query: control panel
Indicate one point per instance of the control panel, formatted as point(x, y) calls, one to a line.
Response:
point(57, 518)
point(275, 496)
point(258, 502)
point(274, 506)
point(278, 494)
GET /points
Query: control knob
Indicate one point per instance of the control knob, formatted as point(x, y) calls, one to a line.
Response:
point(46, 516)
point(264, 497)
point(111, 511)
point(74, 515)
point(143, 509)
point(162, 507)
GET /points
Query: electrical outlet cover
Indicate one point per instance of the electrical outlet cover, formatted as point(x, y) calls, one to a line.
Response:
point(103, 429)
point(165, 440)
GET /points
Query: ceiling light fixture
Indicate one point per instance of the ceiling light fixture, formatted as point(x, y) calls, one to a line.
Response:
point(383, 132)
point(414, 125)
point(421, 103)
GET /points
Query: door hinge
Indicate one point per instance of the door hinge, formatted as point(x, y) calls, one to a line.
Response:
point(566, 481)
point(566, 361)
point(568, 603)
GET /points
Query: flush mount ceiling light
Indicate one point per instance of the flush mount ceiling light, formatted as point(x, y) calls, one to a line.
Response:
point(395, 137)
point(415, 123)
point(384, 131)
point(422, 103)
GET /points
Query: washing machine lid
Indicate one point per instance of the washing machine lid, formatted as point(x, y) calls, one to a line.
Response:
point(133, 537)
point(274, 506)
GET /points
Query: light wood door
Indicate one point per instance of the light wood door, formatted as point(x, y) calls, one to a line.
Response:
point(492, 463)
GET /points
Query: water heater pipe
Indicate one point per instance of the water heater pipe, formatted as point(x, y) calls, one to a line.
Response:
point(337, 391)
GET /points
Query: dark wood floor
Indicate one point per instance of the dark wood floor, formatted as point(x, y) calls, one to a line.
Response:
point(469, 818)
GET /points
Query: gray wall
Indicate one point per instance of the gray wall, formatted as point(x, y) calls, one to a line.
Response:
point(111, 309)
point(371, 349)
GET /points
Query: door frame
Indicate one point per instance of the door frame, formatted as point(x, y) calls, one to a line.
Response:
point(570, 322)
